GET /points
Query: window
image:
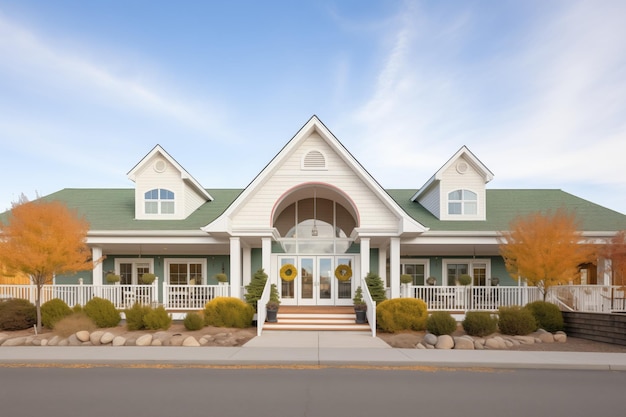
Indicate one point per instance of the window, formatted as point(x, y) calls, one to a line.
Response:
point(416, 268)
point(462, 202)
point(478, 269)
point(159, 201)
point(130, 270)
point(182, 272)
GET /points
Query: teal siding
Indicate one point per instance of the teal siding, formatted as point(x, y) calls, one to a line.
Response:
point(256, 260)
point(374, 264)
point(73, 279)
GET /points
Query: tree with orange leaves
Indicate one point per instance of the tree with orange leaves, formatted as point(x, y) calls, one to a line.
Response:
point(545, 249)
point(615, 251)
point(42, 239)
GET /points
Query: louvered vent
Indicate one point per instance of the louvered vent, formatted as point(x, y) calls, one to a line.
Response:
point(314, 160)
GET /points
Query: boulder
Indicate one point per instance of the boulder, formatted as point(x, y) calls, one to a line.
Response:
point(420, 346)
point(15, 341)
point(560, 337)
point(430, 339)
point(176, 340)
point(494, 343)
point(54, 341)
point(144, 340)
point(525, 340)
point(44, 342)
point(190, 341)
point(463, 343)
point(95, 337)
point(107, 338)
point(479, 344)
point(118, 341)
point(156, 342)
point(546, 337)
point(82, 335)
point(74, 341)
point(63, 342)
point(444, 342)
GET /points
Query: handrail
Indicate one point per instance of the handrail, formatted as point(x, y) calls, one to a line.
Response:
point(371, 306)
point(261, 312)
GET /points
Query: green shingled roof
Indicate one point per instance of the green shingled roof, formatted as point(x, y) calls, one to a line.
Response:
point(114, 209)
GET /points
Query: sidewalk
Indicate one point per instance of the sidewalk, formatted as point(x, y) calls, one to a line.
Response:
point(315, 349)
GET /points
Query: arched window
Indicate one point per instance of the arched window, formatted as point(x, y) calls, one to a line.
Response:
point(462, 202)
point(159, 201)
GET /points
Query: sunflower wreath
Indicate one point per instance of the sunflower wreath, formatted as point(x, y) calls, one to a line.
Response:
point(343, 272)
point(288, 272)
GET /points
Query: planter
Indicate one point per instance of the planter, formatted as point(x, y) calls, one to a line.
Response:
point(272, 316)
point(361, 316)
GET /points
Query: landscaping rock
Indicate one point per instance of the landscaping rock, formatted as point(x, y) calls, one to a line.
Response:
point(95, 337)
point(444, 342)
point(176, 340)
point(55, 341)
point(494, 343)
point(118, 341)
point(463, 343)
point(144, 340)
point(107, 338)
point(430, 339)
point(560, 337)
point(420, 346)
point(546, 337)
point(16, 341)
point(82, 335)
point(191, 342)
point(156, 342)
point(63, 342)
point(525, 340)
point(74, 341)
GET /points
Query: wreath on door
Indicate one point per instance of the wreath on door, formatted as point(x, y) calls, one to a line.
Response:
point(343, 272)
point(288, 272)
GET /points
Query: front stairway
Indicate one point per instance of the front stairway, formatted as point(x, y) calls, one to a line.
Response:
point(316, 318)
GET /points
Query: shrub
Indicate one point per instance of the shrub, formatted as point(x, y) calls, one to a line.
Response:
point(102, 312)
point(401, 314)
point(135, 316)
point(52, 311)
point(376, 287)
point(73, 323)
point(547, 315)
point(406, 279)
point(516, 320)
point(479, 323)
point(77, 309)
point(440, 323)
point(228, 312)
point(157, 319)
point(254, 290)
point(194, 321)
point(17, 314)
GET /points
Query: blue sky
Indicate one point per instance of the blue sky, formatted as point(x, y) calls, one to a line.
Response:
point(536, 89)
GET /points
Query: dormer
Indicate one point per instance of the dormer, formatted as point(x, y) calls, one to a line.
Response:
point(457, 190)
point(164, 190)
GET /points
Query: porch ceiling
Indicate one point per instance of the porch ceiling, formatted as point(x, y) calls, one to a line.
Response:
point(164, 249)
point(450, 250)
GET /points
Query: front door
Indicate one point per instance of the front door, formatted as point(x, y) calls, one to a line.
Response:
point(315, 283)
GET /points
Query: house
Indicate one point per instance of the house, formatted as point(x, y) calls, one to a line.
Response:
point(315, 212)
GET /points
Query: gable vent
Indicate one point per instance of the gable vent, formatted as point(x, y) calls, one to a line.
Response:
point(314, 160)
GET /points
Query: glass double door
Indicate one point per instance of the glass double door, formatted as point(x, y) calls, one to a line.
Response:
point(315, 283)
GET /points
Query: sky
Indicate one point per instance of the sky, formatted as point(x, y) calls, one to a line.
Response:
point(535, 89)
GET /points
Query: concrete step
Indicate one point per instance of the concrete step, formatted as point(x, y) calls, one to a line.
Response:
point(317, 327)
point(316, 318)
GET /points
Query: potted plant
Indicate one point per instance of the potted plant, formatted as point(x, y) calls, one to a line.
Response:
point(431, 281)
point(221, 278)
point(406, 279)
point(495, 281)
point(272, 305)
point(360, 308)
point(113, 278)
point(465, 279)
point(147, 279)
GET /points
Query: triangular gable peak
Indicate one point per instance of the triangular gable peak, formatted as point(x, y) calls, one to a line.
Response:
point(457, 190)
point(164, 190)
point(302, 165)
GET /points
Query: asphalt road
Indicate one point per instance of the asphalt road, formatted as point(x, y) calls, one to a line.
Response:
point(119, 391)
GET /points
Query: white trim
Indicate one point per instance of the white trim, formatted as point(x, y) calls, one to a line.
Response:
point(470, 262)
point(168, 261)
point(134, 262)
point(416, 261)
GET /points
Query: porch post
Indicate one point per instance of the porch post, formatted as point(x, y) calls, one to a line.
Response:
point(394, 267)
point(96, 254)
point(382, 263)
point(235, 267)
point(365, 257)
point(266, 255)
point(246, 264)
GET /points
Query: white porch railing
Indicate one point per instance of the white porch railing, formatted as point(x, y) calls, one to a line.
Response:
point(589, 298)
point(371, 306)
point(261, 311)
point(191, 297)
point(460, 298)
point(122, 296)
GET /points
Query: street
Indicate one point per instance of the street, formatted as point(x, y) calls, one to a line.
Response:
point(204, 391)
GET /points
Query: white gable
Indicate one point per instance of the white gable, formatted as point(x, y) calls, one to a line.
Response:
point(314, 159)
point(159, 171)
point(459, 185)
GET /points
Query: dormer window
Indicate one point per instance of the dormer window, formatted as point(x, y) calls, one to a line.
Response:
point(462, 202)
point(159, 201)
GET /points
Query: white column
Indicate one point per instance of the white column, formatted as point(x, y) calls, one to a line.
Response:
point(246, 264)
point(235, 267)
point(394, 267)
point(266, 256)
point(96, 254)
point(382, 263)
point(365, 257)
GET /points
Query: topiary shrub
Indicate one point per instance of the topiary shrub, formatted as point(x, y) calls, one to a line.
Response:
point(516, 320)
point(102, 312)
point(440, 323)
point(17, 314)
point(157, 319)
point(401, 314)
point(228, 312)
point(479, 323)
point(73, 323)
point(254, 290)
point(54, 310)
point(376, 287)
point(194, 321)
point(547, 315)
point(135, 316)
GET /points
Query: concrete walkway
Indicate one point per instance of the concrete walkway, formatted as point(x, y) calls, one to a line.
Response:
point(315, 349)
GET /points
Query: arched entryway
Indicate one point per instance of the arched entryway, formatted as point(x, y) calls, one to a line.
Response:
point(316, 225)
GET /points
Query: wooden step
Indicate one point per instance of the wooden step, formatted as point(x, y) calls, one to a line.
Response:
point(316, 318)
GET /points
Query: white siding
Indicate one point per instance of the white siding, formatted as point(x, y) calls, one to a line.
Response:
point(257, 211)
point(469, 180)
